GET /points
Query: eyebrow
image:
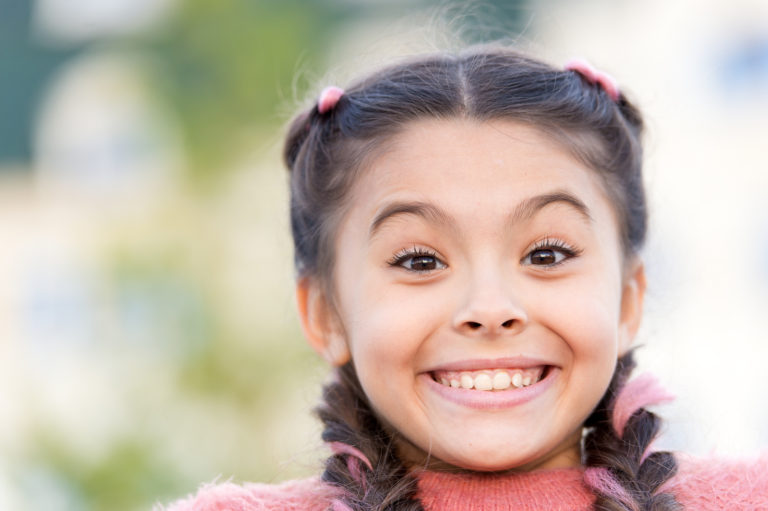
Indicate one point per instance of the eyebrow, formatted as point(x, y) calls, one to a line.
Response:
point(526, 210)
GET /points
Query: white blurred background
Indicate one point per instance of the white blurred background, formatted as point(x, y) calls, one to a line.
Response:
point(147, 335)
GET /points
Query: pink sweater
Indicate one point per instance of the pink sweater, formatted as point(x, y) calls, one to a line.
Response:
point(701, 485)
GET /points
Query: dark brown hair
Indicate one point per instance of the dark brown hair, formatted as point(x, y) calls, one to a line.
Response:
point(325, 151)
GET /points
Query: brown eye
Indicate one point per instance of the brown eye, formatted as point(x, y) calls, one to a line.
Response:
point(548, 255)
point(417, 260)
point(545, 257)
point(423, 263)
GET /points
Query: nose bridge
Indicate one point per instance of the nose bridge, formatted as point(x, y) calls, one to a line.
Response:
point(491, 302)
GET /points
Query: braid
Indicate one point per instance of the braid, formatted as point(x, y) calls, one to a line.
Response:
point(381, 482)
point(622, 471)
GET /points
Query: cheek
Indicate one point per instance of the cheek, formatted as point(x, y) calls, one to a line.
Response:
point(386, 334)
point(386, 325)
point(585, 314)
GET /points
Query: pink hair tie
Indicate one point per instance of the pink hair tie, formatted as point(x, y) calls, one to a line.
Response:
point(354, 457)
point(642, 391)
point(592, 75)
point(602, 481)
point(328, 98)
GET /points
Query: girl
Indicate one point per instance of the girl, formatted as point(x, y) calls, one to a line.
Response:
point(467, 230)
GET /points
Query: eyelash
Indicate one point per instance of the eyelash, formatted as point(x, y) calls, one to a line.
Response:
point(555, 245)
point(411, 253)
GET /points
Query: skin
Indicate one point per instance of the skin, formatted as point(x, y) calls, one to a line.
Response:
point(550, 285)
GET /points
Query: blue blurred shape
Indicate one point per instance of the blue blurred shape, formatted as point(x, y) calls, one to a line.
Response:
point(26, 64)
point(743, 69)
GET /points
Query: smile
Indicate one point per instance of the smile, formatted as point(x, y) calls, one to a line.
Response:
point(486, 385)
point(490, 379)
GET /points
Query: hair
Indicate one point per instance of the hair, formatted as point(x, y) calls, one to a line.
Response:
point(324, 153)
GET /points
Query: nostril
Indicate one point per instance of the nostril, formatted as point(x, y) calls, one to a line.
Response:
point(474, 325)
point(507, 323)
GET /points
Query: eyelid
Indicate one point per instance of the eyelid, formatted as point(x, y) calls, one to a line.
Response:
point(415, 251)
point(555, 244)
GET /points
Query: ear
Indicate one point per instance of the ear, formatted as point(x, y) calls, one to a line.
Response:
point(632, 296)
point(320, 324)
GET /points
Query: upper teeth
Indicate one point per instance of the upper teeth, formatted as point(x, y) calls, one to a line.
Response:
point(490, 379)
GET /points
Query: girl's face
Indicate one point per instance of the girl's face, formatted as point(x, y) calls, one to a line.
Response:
point(481, 292)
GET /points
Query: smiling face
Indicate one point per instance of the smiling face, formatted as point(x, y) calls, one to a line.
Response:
point(481, 292)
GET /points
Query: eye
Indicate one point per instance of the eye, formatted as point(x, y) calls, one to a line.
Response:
point(548, 253)
point(417, 260)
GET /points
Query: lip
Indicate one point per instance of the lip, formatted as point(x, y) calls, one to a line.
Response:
point(487, 400)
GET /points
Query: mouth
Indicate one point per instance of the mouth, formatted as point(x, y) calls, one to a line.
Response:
point(492, 384)
point(491, 380)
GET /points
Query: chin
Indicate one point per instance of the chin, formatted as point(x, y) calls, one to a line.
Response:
point(496, 467)
point(492, 461)
point(491, 458)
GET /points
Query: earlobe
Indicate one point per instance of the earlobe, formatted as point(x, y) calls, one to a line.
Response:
point(318, 322)
point(632, 297)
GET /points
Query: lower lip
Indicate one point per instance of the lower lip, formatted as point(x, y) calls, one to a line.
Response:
point(492, 400)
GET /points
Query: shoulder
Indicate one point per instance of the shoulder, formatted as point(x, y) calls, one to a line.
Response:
point(304, 495)
point(718, 483)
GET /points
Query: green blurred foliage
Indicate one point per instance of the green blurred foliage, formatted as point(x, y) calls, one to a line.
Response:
point(223, 66)
point(129, 476)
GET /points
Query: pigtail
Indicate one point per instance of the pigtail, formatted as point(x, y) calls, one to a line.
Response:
point(364, 462)
point(621, 468)
point(298, 132)
point(307, 131)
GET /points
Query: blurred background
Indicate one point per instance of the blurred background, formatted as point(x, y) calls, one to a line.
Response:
point(148, 340)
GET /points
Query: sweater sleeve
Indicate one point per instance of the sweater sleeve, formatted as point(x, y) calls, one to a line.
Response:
point(716, 484)
point(299, 495)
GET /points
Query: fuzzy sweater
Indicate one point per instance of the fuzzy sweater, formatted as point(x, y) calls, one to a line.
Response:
point(701, 485)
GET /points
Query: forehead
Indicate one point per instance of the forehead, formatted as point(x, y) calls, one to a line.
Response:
point(465, 163)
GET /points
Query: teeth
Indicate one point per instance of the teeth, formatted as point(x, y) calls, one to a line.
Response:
point(488, 380)
point(501, 380)
point(483, 382)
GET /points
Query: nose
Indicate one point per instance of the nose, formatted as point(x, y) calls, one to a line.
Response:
point(490, 309)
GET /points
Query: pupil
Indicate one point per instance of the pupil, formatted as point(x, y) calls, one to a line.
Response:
point(423, 263)
point(543, 257)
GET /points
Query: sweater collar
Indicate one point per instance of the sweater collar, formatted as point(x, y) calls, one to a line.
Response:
point(559, 489)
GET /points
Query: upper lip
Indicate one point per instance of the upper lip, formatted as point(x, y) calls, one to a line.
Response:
point(477, 364)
